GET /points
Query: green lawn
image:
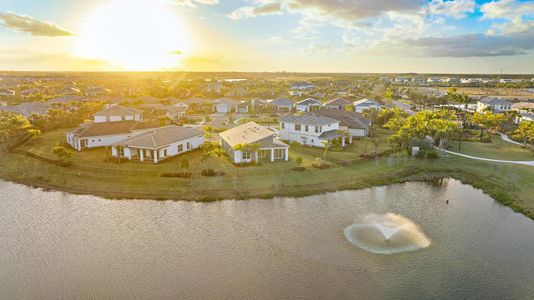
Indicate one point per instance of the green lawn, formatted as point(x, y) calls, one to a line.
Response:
point(497, 149)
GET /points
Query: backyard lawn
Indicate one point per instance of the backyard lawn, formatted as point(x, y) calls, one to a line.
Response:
point(497, 149)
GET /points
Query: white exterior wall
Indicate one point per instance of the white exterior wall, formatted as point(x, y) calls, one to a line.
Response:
point(358, 132)
point(101, 119)
point(359, 108)
point(221, 108)
point(310, 138)
point(172, 149)
point(106, 140)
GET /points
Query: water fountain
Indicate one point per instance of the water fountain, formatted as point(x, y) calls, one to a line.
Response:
point(386, 234)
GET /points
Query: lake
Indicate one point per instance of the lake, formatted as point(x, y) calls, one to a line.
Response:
point(55, 245)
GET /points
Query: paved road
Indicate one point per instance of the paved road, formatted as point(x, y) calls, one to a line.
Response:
point(517, 162)
point(509, 140)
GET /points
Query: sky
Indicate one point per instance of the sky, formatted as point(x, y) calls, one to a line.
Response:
point(377, 36)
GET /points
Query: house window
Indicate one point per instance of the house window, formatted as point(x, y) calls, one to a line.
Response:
point(164, 152)
point(279, 153)
point(306, 128)
point(180, 148)
point(246, 155)
point(121, 151)
point(188, 145)
point(317, 129)
point(262, 154)
point(283, 125)
point(297, 127)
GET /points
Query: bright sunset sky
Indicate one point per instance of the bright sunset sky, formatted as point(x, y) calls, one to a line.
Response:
point(457, 36)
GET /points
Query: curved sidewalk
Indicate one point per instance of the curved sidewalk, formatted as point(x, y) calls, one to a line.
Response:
point(505, 138)
point(517, 162)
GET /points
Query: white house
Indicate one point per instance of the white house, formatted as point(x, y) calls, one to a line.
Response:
point(352, 122)
point(309, 104)
point(103, 134)
point(525, 111)
point(309, 129)
point(337, 103)
point(158, 144)
point(363, 104)
point(224, 105)
point(302, 85)
point(96, 91)
point(238, 140)
point(118, 113)
point(494, 104)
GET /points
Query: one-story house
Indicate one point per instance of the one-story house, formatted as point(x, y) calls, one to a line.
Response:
point(336, 103)
point(494, 104)
point(282, 104)
point(352, 122)
point(363, 104)
point(117, 113)
point(252, 142)
point(102, 134)
point(158, 144)
point(224, 105)
point(27, 108)
point(309, 104)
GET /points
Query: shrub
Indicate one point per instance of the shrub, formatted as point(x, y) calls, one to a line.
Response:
point(212, 172)
point(299, 160)
point(299, 169)
point(177, 174)
point(428, 154)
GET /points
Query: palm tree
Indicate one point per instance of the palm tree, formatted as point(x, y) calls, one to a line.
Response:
point(326, 145)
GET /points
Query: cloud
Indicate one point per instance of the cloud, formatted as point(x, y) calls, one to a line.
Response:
point(456, 9)
point(474, 45)
point(32, 26)
point(31, 60)
point(246, 12)
point(193, 2)
point(506, 9)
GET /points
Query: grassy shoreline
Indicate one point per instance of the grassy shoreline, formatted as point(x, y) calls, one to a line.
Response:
point(500, 181)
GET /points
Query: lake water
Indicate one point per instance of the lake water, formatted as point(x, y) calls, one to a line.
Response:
point(55, 245)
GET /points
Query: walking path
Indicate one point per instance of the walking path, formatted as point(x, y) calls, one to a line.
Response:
point(517, 162)
point(509, 140)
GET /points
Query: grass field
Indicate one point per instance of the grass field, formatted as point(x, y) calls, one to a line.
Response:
point(509, 184)
point(497, 149)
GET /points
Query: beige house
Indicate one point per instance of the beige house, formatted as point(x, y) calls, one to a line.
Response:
point(252, 142)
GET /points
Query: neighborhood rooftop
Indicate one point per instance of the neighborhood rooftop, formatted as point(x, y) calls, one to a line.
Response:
point(346, 118)
point(247, 133)
point(110, 128)
point(308, 119)
point(160, 137)
point(118, 110)
point(494, 100)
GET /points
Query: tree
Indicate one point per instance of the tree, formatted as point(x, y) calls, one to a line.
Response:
point(63, 155)
point(326, 145)
point(374, 141)
point(184, 164)
point(525, 132)
point(299, 161)
point(487, 120)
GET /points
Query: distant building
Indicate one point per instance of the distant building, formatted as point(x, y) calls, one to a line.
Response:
point(307, 105)
point(364, 104)
point(302, 85)
point(224, 105)
point(337, 103)
point(7, 93)
point(116, 113)
point(96, 91)
point(282, 104)
point(26, 109)
point(353, 123)
point(236, 142)
point(494, 104)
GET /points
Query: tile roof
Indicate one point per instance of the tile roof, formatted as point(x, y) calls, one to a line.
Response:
point(110, 128)
point(160, 137)
point(118, 110)
point(308, 119)
point(247, 133)
point(346, 118)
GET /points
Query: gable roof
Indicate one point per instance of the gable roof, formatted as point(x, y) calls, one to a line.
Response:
point(337, 101)
point(366, 102)
point(110, 128)
point(523, 105)
point(247, 133)
point(308, 119)
point(27, 108)
point(281, 102)
point(160, 137)
point(494, 101)
point(309, 101)
point(346, 118)
point(118, 110)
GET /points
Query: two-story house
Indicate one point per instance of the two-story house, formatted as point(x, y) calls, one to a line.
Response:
point(118, 113)
point(309, 129)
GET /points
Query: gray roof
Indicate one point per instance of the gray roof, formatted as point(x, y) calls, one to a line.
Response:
point(247, 133)
point(227, 101)
point(110, 128)
point(328, 135)
point(160, 137)
point(309, 101)
point(27, 108)
point(337, 102)
point(494, 101)
point(118, 110)
point(282, 102)
point(308, 119)
point(366, 102)
point(346, 118)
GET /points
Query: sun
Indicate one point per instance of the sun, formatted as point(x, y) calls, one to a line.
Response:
point(137, 35)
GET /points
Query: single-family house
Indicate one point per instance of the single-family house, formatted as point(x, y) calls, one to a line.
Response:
point(157, 111)
point(352, 122)
point(116, 113)
point(70, 90)
point(224, 105)
point(336, 103)
point(310, 129)
point(363, 104)
point(29, 92)
point(97, 91)
point(158, 144)
point(27, 108)
point(181, 105)
point(304, 85)
point(282, 104)
point(243, 107)
point(102, 134)
point(309, 104)
point(252, 142)
point(525, 111)
point(494, 104)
